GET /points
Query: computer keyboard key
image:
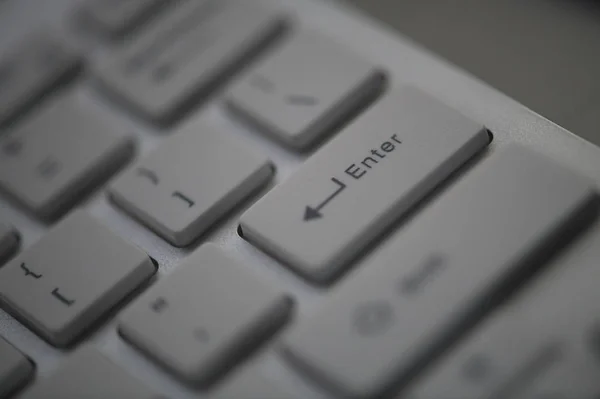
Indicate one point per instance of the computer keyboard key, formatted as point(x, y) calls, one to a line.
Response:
point(193, 179)
point(200, 320)
point(58, 154)
point(9, 242)
point(305, 89)
point(348, 193)
point(15, 369)
point(433, 279)
point(249, 384)
point(181, 58)
point(88, 374)
point(32, 69)
point(116, 18)
point(66, 281)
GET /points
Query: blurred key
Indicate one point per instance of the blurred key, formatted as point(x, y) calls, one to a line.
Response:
point(250, 384)
point(31, 69)
point(88, 374)
point(372, 173)
point(205, 316)
point(9, 241)
point(305, 88)
point(15, 369)
point(192, 180)
point(427, 284)
point(115, 18)
point(184, 55)
point(61, 152)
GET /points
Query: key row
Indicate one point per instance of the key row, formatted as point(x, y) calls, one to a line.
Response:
point(297, 94)
point(189, 322)
point(457, 265)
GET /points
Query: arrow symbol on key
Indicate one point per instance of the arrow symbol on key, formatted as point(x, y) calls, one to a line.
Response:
point(312, 213)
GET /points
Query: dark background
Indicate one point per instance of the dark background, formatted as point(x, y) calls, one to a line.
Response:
point(543, 53)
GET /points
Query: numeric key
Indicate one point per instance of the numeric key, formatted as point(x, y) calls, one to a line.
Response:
point(72, 276)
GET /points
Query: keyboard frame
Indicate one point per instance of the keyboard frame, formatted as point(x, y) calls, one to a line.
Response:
point(404, 61)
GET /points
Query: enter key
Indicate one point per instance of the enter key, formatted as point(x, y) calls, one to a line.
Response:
point(348, 193)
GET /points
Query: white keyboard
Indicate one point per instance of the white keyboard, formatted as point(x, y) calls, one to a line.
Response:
point(280, 199)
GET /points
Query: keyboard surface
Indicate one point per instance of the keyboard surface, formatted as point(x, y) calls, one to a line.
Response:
point(280, 199)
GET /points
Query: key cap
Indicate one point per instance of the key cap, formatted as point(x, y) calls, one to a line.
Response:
point(366, 178)
point(117, 18)
point(58, 155)
point(32, 69)
point(200, 320)
point(89, 374)
point(249, 384)
point(71, 277)
point(300, 93)
point(192, 180)
point(9, 242)
point(433, 279)
point(15, 369)
point(182, 57)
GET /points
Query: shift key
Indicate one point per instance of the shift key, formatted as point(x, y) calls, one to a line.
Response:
point(347, 194)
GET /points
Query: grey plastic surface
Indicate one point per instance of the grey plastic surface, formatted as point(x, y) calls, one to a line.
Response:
point(9, 241)
point(185, 53)
point(405, 62)
point(32, 67)
point(191, 181)
point(88, 374)
point(67, 280)
point(308, 86)
point(191, 322)
point(371, 174)
point(15, 369)
point(115, 18)
point(57, 154)
point(427, 284)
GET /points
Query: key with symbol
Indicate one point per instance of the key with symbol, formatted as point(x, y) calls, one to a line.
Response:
point(355, 187)
point(71, 277)
point(192, 180)
point(306, 88)
point(433, 280)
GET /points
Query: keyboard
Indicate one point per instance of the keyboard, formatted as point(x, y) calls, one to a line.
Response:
point(280, 199)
